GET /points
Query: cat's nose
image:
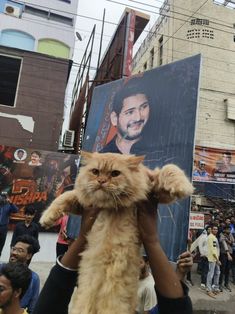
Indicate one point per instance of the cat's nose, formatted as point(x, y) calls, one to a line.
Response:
point(102, 180)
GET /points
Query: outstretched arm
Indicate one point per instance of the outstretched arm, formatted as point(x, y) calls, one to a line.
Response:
point(171, 293)
point(166, 280)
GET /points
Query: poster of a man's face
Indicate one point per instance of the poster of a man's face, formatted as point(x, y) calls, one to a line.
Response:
point(151, 114)
point(20, 154)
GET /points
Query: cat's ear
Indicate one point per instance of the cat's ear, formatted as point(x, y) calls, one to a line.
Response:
point(86, 156)
point(134, 161)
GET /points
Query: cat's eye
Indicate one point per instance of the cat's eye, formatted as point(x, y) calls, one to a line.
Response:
point(95, 172)
point(115, 173)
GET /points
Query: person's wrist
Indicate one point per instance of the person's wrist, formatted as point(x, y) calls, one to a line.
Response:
point(150, 239)
point(181, 275)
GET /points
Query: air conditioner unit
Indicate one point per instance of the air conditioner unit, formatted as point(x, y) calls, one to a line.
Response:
point(68, 138)
point(12, 10)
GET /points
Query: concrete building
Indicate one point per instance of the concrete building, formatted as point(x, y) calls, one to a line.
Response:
point(32, 91)
point(186, 28)
point(42, 26)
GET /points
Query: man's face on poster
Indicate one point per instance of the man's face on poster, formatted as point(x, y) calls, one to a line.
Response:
point(133, 116)
point(227, 159)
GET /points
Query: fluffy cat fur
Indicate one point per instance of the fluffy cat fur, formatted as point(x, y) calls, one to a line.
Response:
point(109, 268)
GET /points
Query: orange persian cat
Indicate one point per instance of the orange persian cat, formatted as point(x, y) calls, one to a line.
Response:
point(109, 268)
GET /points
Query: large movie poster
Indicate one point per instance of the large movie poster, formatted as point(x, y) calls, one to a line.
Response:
point(151, 114)
point(214, 165)
point(35, 177)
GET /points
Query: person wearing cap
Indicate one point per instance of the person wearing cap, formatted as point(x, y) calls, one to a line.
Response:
point(200, 173)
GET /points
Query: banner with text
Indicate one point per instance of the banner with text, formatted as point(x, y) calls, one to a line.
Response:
point(214, 165)
point(35, 177)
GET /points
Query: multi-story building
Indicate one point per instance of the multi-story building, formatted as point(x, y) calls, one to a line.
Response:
point(186, 28)
point(42, 26)
point(32, 90)
point(36, 45)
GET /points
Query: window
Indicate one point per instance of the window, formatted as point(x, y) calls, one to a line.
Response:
point(145, 66)
point(61, 19)
point(160, 43)
point(200, 33)
point(151, 58)
point(9, 69)
point(48, 15)
point(37, 12)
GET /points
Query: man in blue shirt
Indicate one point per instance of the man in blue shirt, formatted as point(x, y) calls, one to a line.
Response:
point(6, 209)
point(23, 250)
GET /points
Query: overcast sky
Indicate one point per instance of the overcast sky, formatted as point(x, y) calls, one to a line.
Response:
point(94, 10)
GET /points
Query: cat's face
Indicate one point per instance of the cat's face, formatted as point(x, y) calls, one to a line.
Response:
point(111, 180)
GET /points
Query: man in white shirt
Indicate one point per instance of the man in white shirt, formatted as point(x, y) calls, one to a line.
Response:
point(203, 250)
point(146, 292)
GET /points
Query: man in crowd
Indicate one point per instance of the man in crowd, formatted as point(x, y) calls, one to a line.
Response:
point(23, 250)
point(214, 263)
point(26, 227)
point(130, 114)
point(203, 250)
point(6, 209)
point(14, 281)
point(146, 291)
point(226, 252)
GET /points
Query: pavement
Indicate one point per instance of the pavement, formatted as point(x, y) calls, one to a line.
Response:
point(224, 302)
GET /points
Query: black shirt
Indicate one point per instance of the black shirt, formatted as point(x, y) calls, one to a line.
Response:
point(57, 291)
point(22, 229)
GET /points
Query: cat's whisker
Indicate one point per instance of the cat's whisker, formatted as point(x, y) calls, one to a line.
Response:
point(115, 200)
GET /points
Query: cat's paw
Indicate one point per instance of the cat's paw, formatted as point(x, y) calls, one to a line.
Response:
point(171, 183)
point(48, 219)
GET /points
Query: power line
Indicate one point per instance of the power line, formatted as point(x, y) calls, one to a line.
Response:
point(182, 8)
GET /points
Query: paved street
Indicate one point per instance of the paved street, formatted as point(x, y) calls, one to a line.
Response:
point(224, 301)
point(201, 302)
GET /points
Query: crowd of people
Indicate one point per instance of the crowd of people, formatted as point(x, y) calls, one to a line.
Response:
point(156, 294)
point(161, 288)
point(216, 248)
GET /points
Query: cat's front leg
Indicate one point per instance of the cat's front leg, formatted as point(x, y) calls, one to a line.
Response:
point(170, 183)
point(66, 202)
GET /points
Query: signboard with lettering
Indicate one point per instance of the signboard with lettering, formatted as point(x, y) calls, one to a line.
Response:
point(196, 221)
point(35, 177)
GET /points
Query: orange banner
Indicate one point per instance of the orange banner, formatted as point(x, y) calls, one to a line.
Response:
point(214, 165)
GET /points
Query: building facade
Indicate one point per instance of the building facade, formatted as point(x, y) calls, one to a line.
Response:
point(32, 91)
point(42, 26)
point(186, 28)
